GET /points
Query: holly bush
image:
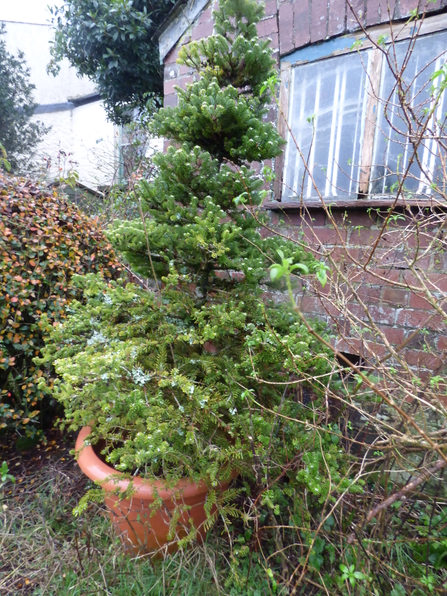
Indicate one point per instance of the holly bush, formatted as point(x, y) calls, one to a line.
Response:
point(44, 241)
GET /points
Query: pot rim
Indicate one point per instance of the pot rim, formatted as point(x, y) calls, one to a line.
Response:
point(108, 477)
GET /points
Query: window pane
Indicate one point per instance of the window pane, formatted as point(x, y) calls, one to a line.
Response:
point(398, 125)
point(326, 114)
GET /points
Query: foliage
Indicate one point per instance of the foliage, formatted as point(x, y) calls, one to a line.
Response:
point(44, 241)
point(130, 360)
point(18, 135)
point(182, 380)
point(113, 43)
point(3, 161)
point(5, 476)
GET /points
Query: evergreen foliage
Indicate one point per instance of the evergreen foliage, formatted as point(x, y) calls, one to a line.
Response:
point(18, 135)
point(113, 43)
point(196, 223)
point(176, 370)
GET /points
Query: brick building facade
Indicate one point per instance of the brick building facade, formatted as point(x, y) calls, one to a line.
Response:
point(381, 264)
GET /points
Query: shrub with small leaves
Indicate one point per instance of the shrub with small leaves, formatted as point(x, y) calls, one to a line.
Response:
point(44, 240)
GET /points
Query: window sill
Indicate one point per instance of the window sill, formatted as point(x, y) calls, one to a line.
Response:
point(373, 203)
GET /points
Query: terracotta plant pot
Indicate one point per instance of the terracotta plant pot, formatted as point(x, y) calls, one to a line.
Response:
point(140, 527)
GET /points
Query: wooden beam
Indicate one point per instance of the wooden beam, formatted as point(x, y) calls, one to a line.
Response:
point(283, 114)
point(377, 202)
point(372, 107)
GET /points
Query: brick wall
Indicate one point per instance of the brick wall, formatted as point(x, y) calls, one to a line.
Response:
point(292, 24)
point(385, 289)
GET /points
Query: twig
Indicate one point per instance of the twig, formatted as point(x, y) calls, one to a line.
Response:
point(439, 465)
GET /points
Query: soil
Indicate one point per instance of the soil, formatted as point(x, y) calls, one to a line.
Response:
point(24, 464)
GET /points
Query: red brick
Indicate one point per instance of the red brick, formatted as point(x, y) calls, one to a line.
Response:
point(170, 101)
point(421, 240)
point(398, 258)
point(373, 12)
point(169, 86)
point(172, 56)
point(388, 10)
point(362, 348)
point(419, 319)
point(350, 345)
point(185, 70)
point(395, 296)
point(379, 11)
point(392, 238)
point(274, 218)
point(325, 235)
point(337, 17)
point(315, 217)
point(332, 310)
point(295, 218)
point(363, 218)
point(286, 27)
point(382, 314)
point(237, 275)
point(442, 343)
point(353, 218)
point(367, 293)
point(318, 20)
point(439, 260)
point(420, 341)
point(419, 302)
point(435, 281)
point(274, 43)
point(339, 218)
point(266, 233)
point(311, 305)
point(439, 280)
point(267, 26)
point(347, 255)
point(206, 16)
point(421, 358)
point(405, 6)
point(320, 291)
point(202, 30)
point(374, 350)
point(271, 8)
point(302, 24)
point(424, 5)
point(394, 335)
point(372, 276)
point(363, 237)
point(358, 6)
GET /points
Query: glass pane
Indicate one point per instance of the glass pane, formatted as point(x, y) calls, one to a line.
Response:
point(326, 114)
point(411, 133)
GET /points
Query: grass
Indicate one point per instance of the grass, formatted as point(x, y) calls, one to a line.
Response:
point(46, 551)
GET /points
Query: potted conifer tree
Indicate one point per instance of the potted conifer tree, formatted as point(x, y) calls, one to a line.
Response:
point(166, 382)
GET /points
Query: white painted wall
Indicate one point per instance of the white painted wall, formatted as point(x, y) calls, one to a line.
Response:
point(82, 132)
point(80, 139)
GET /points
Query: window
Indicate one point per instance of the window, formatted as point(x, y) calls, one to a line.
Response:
point(348, 124)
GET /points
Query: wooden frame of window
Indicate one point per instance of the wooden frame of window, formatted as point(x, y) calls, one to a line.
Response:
point(338, 47)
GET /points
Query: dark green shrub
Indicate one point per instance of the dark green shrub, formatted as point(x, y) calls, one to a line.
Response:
point(44, 240)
